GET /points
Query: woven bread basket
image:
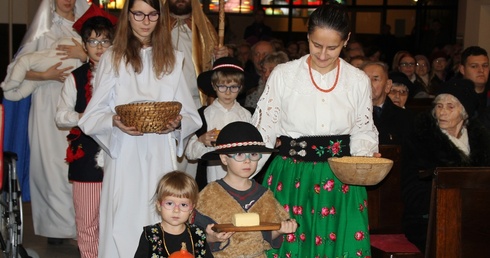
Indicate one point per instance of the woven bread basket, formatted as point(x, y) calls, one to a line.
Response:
point(149, 117)
point(360, 170)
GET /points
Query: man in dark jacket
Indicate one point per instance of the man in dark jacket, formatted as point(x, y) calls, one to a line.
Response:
point(393, 122)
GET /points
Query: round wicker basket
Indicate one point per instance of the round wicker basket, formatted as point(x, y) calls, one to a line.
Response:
point(149, 117)
point(360, 170)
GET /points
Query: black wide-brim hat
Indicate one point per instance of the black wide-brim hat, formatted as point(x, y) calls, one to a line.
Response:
point(229, 64)
point(238, 137)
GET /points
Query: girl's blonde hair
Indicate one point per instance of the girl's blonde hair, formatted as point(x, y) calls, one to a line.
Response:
point(177, 184)
point(127, 47)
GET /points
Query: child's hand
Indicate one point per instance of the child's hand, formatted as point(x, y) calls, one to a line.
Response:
point(209, 138)
point(288, 226)
point(116, 121)
point(172, 125)
point(213, 236)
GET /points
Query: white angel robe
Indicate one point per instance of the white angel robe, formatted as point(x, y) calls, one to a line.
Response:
point(134, 164)
point(51, 193)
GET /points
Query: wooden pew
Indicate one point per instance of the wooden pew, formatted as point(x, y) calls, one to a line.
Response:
point(385, 209)
point(459, 224)
point(384, 199)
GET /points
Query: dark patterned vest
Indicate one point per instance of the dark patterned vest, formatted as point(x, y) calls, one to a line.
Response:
point(82, 148)
point(162, 244)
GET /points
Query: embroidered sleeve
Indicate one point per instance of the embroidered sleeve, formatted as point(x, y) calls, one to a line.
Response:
point(364, 136)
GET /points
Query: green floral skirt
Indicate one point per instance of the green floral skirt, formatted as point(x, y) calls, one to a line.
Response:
point(332, 216)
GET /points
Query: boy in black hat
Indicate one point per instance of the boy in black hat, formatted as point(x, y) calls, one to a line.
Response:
point(239, 147)
point(226, 80)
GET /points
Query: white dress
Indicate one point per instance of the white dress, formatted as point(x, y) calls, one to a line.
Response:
point(293, 107)
point(216, 117)
point(51, 194)
point(134, 164)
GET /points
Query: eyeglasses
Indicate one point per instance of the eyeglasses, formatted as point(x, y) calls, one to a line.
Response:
point(233, 89)
point(139, 16)
point(421, 65)
point(170, 205)
point(96, 43)
point(401, 92)
point(440, 60)
point(241, 157)
point(407, 64)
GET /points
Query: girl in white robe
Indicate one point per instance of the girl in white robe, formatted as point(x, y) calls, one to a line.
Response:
point(134, 162)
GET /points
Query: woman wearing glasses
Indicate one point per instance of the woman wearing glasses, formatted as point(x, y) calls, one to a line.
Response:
point(226, 80)
point(400, 88)
point(141, 66)
point(407, 65)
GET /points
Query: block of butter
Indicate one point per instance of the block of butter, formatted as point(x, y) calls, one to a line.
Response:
point(246, 219)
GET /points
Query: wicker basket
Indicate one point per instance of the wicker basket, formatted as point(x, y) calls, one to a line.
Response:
point(148, 117)
point(360, 170)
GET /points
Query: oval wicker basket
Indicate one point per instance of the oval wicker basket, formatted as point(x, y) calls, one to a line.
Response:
point(149, 117)
point(360, 170)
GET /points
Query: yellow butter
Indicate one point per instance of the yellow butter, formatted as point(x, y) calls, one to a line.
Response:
point(246, 219)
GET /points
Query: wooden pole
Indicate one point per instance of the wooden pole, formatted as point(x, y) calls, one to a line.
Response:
point(221, 27)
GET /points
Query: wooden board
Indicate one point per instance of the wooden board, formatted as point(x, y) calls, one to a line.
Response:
point(231, 228)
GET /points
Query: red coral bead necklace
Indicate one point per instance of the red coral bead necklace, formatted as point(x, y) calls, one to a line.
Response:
point(313, 80)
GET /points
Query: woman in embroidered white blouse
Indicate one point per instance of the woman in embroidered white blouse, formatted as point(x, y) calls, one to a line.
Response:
point(319, 106)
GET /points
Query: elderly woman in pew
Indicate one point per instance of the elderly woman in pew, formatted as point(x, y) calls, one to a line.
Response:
point(447, 136)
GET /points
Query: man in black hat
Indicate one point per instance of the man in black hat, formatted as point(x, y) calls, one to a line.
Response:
point(393, 122)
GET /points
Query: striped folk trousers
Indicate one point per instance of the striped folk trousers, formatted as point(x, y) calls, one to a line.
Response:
point(86, 200)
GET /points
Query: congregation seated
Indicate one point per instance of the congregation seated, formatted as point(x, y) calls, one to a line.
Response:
point(447, 136)
point(393, 122)
point(406, 65)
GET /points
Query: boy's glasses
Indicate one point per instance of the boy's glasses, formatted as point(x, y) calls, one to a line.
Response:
point(139, 16)
point(95, 43)
point(170, 205)
point(241, 157)
point(233, 89)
